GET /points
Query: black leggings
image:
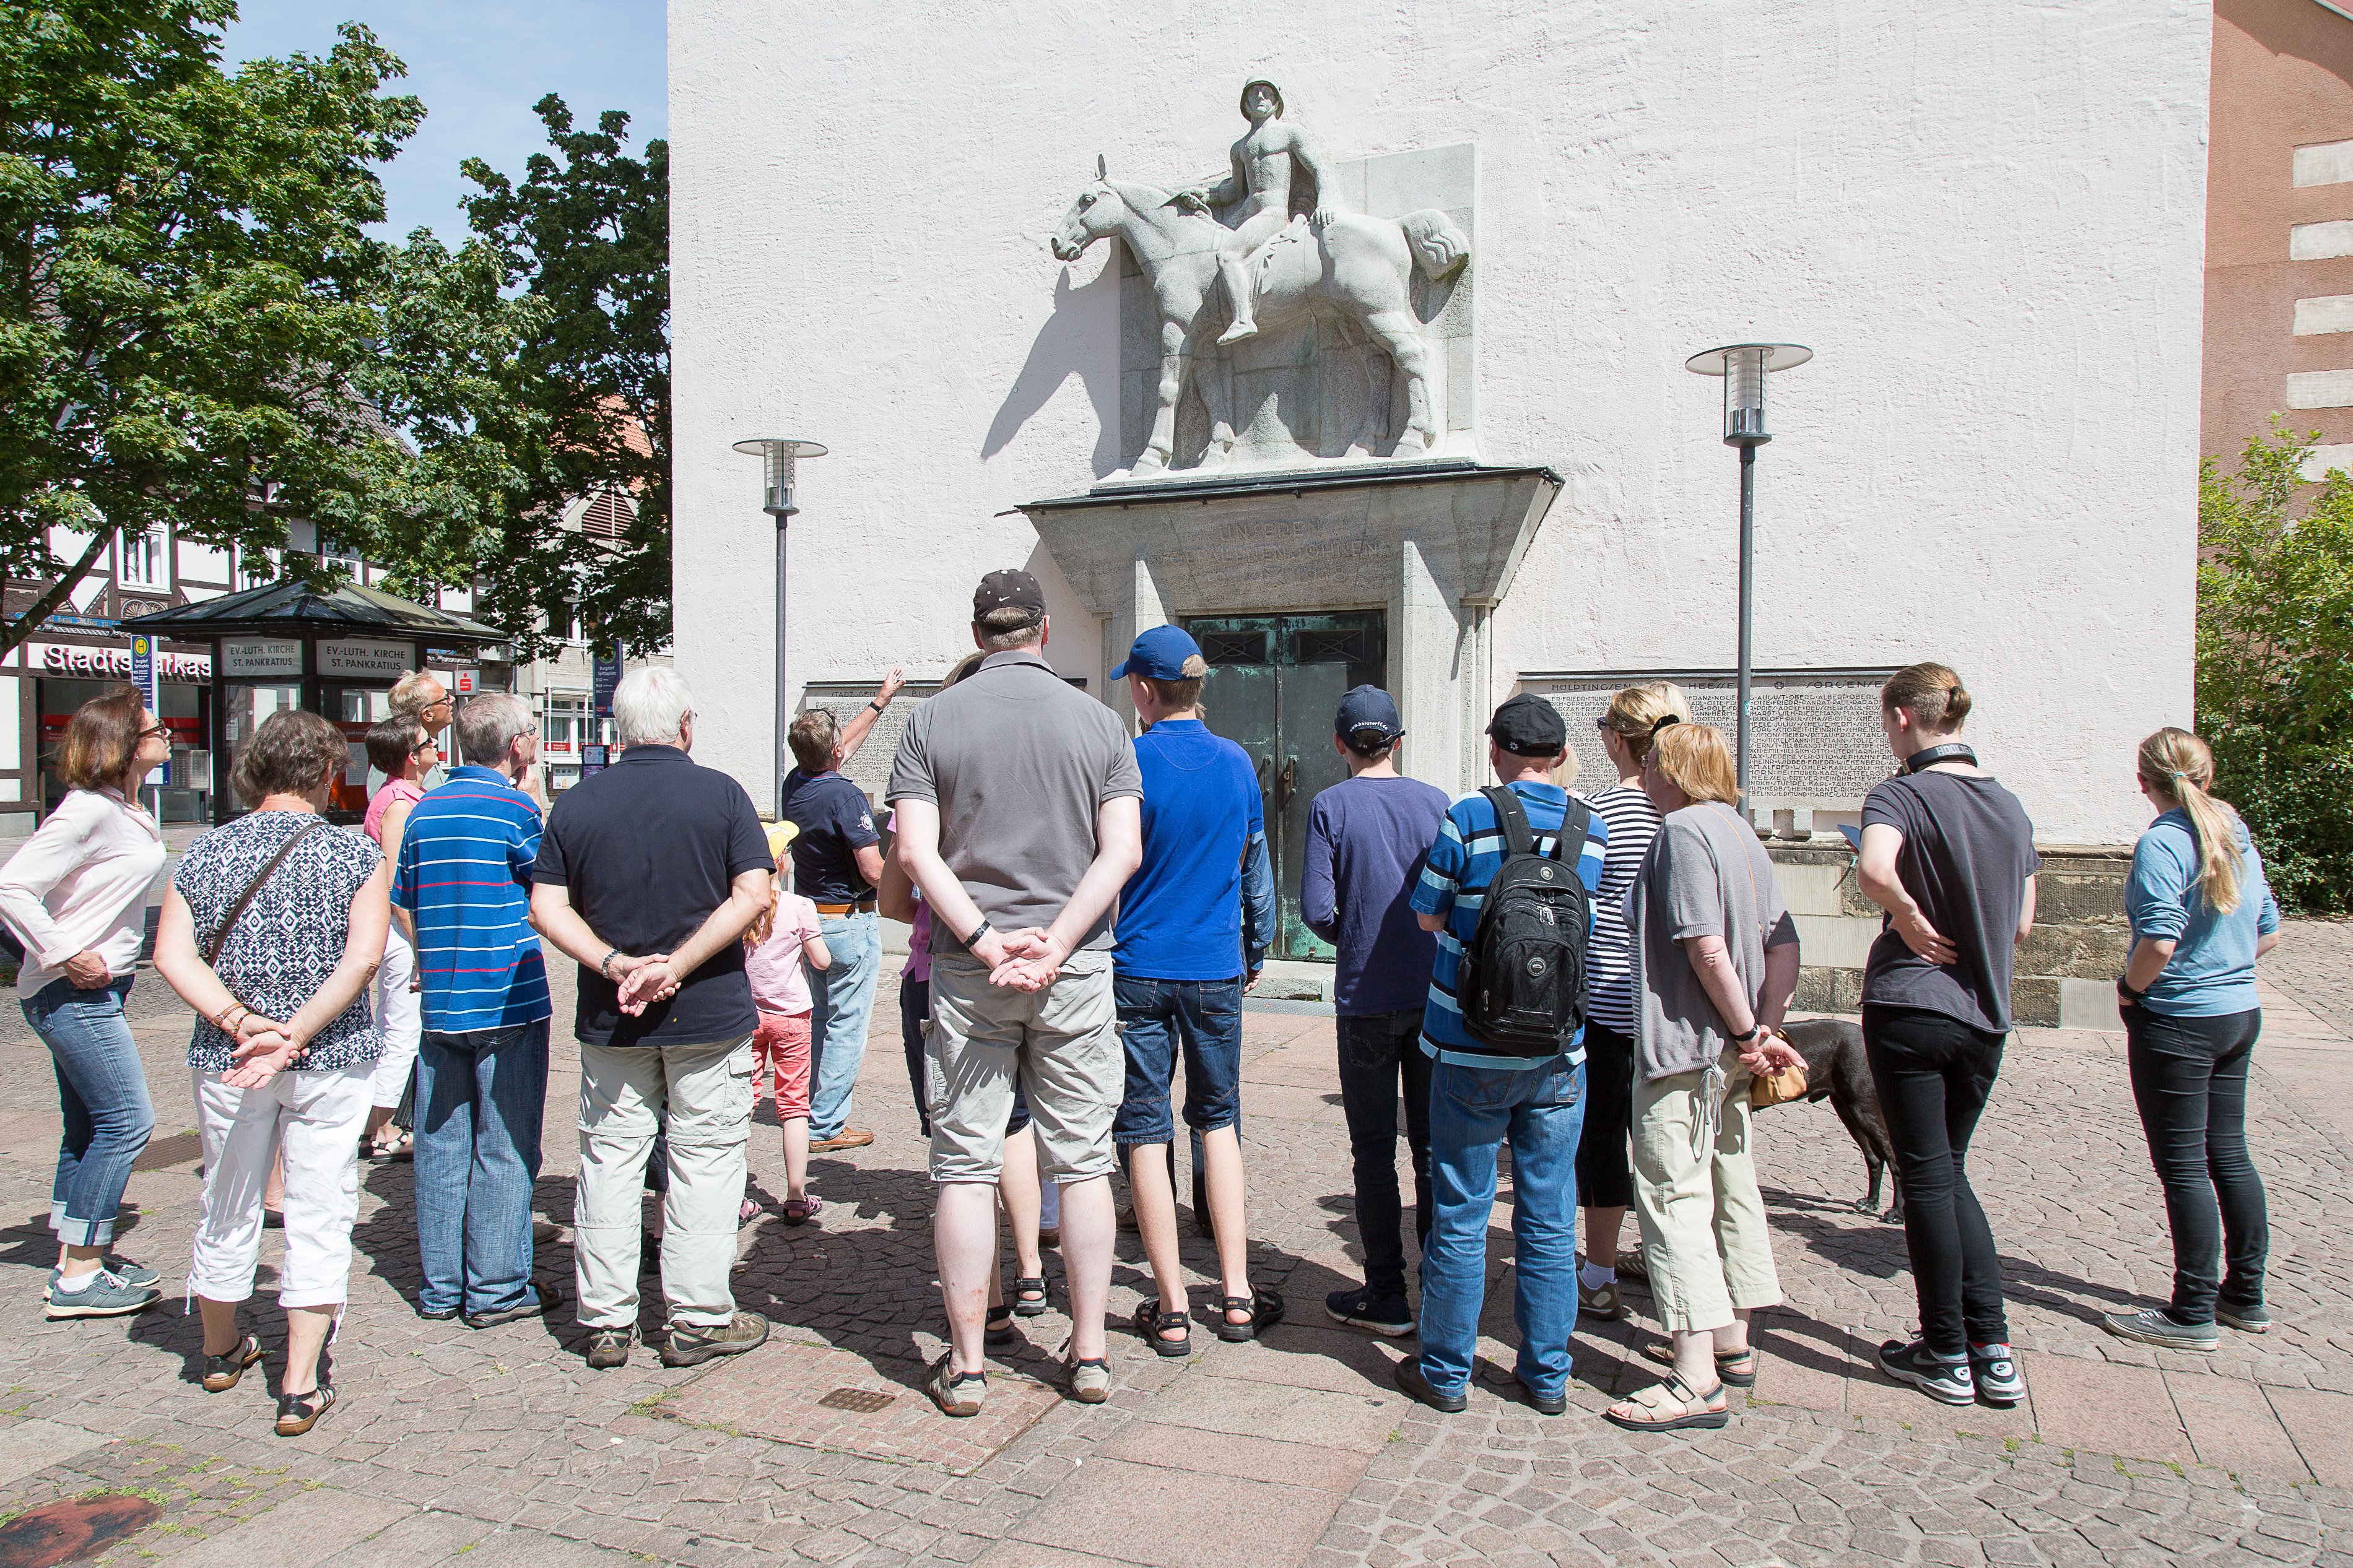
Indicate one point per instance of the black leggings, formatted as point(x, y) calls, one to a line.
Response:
point(1934, 1074)
point(2189, 1080)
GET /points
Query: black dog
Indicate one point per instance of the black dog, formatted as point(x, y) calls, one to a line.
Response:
point(1836, 1072)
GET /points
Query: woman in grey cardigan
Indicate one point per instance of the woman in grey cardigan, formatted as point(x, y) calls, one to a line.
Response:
point(1716, 963)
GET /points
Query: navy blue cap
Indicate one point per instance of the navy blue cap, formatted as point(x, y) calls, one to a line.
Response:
point(1164, 653)
point(1528, 726)
point(1368, 708)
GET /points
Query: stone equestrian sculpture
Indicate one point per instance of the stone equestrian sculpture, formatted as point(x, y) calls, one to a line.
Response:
point(1354, 268)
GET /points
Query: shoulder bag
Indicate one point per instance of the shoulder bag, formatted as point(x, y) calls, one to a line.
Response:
point(212, 950)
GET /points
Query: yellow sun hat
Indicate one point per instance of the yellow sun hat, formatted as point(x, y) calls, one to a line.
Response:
point(780, 839)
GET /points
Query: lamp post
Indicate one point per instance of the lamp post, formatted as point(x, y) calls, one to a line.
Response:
point(1744, 367)
point(777, 455)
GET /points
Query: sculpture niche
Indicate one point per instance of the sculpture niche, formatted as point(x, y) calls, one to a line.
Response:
point(1265, 248)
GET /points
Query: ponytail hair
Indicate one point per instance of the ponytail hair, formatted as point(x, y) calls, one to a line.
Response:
point(1931, 693)
point(1634, 713)
point(2178, 764)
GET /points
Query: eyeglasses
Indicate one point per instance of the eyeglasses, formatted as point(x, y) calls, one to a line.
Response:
point(428, 746)
point(160, 732)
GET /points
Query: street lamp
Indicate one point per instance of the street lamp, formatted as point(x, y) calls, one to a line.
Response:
point(777, 455)
point(1744, 367)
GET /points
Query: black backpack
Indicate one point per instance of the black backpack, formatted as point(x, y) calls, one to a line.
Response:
point(1520, 985)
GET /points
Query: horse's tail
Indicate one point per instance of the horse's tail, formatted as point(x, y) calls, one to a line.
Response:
point(1437, 246)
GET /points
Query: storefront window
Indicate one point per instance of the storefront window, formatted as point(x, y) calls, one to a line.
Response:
point(249, 705)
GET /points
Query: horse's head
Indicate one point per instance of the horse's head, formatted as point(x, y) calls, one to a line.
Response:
point(1095, 212)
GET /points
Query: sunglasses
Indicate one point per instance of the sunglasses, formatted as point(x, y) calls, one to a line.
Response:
point(161, 732)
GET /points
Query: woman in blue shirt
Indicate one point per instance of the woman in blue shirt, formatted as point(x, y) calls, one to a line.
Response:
point(2201, 914)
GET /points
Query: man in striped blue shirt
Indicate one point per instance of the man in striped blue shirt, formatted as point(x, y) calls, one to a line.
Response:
point(462, 887)
point(1479, 1096)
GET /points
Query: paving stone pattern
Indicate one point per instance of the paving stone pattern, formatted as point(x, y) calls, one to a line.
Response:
point(499, 1446)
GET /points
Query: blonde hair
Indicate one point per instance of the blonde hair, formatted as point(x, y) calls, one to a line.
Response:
point(1635, 712)
point(1931, 693)
point(1694, 759)
point(2178, 764)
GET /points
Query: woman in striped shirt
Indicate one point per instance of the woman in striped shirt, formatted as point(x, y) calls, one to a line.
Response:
point(1605, 1181)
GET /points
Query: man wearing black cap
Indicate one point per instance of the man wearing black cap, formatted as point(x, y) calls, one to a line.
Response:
point(1366, 838)
point(1479, 1098)
point(1018, 819)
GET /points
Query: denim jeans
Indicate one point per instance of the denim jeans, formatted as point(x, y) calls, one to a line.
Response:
point(1160, 1020)
point(102, 1100)
point(1376, 1051)
point(2189, 1082)
point(480, 1097)
point(1933, 1074)
point(1471, 1111)
point(841, 1000)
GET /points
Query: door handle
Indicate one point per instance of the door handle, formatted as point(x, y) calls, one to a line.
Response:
point(1289, 783)
point(1265, 767)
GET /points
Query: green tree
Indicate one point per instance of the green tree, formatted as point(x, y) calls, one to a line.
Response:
point(585, 234)
point(190, 303)
point(2275, 661)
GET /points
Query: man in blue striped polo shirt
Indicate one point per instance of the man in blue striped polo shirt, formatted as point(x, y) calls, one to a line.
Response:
point(1479, 1096)
point(462, 887)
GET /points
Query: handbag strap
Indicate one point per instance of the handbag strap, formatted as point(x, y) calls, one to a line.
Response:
point(245, 899)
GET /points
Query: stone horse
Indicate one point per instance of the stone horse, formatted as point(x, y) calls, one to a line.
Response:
point(1356, 270)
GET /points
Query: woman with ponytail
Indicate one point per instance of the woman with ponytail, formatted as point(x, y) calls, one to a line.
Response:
point(2201, 914)
point(1948, 853)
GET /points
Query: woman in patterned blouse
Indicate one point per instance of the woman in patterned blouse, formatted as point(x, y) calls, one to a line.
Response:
point(283, 1049)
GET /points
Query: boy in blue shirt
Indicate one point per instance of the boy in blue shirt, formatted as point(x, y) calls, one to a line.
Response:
point(1185, 956)
point(1479, 1096)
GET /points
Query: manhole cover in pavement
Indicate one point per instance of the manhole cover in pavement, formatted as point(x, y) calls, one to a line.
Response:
point(68, 1531)
point(857, 1401)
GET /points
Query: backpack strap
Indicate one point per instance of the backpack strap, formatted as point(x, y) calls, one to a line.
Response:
point(1517, 839)
point(1576, 822)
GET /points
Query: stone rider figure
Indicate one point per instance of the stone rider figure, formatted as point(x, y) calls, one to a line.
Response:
point(1256, 196)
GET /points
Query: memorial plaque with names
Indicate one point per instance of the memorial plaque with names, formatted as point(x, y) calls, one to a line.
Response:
point(1815, 744)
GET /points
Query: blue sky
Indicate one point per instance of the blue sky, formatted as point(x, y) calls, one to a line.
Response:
point(478, 66)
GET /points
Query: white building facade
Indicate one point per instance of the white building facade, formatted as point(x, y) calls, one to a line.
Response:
point(1987, 222)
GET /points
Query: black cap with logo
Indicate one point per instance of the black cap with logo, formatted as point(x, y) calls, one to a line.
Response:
point(1011, 589)
point(1528, 726)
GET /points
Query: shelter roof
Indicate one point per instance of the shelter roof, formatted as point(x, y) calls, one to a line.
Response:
point(293, 608)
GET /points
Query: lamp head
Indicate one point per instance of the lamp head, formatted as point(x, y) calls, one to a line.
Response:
point(1744, 367)
point(777, 455)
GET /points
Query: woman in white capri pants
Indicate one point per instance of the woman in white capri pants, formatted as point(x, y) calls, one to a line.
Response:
point(398, 748)
point(271, 930)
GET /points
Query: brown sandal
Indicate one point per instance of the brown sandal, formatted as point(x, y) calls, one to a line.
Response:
point(1646, 1407)
point(298, 1413)
point(222, 1372)
point(1737, 1368)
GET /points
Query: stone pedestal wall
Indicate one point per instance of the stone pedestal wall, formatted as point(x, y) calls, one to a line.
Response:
point(2067, 971)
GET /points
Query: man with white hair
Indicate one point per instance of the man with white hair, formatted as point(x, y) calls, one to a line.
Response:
point(648, 874)
point(461, 891)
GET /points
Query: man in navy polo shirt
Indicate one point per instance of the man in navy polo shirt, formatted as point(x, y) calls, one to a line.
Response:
point(1479, 1096)
point(836, 866)
point(1185, 954)
point(647, 875)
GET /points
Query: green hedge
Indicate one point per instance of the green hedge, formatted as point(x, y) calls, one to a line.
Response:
point(2276, 662)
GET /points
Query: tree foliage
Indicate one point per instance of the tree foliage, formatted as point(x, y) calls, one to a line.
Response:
point(2276, 662)
point(190, 304)
point(585, 234)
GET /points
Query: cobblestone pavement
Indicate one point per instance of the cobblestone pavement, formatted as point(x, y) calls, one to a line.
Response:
point(500, 1447)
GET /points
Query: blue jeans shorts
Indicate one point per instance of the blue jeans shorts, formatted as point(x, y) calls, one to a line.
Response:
point(1160, 1018)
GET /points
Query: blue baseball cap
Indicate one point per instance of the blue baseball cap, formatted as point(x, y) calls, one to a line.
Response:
point(1368, 708)
point(1164, 653)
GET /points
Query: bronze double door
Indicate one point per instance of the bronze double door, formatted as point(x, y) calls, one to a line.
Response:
point(1274, 684)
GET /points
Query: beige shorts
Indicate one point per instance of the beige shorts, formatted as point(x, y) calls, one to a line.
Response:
point(1063, 1041)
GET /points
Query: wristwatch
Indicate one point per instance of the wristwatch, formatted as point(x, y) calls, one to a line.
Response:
point(1752, 1031)
point(877, 705)
point(604, 964)
point(977, 933)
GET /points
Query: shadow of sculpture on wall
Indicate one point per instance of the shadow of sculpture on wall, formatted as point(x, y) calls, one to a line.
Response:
point(1068, 345)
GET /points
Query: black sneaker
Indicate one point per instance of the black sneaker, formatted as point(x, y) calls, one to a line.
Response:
point(1386, 1315)
point(542, 1300)
point(1409, 1381)
point(1946, 1382)
point(1995, 1371)
point(608, 1349)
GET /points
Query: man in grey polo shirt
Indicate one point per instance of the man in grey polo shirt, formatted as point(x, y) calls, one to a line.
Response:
point(1019, 819)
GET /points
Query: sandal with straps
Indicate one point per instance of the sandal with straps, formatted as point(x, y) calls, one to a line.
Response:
point(1154, 1325)
point(1029, 1297)
point(1737, 1368)
point(1264, 1307)
point(298, 1413)
point(222, 1372)
point(997, 1329)
point(1648, 1409)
